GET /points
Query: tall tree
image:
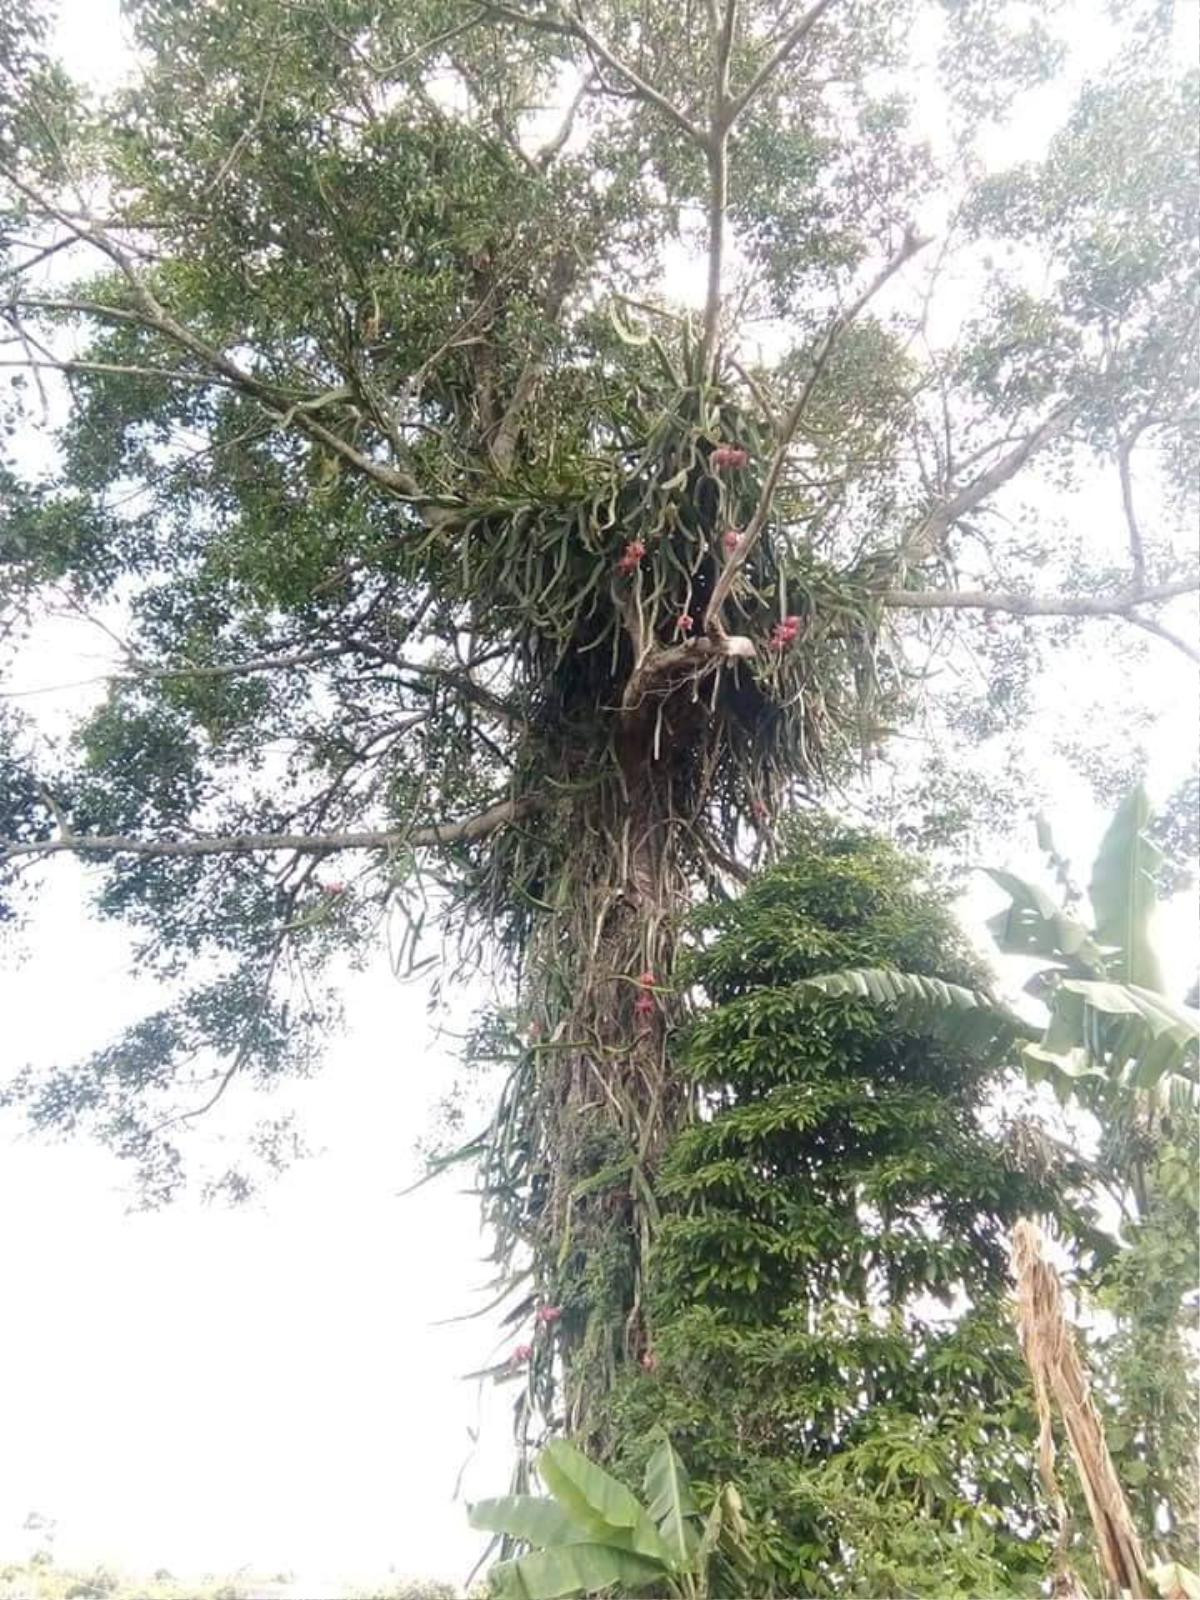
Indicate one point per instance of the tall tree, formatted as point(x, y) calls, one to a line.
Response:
point(439, 540)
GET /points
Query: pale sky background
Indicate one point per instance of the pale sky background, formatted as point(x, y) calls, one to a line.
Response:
point(206, 1390)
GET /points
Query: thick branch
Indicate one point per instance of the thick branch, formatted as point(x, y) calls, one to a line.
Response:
point(1123, 604)
point(242, 844)
point(787, 432)
point(927, 539)
point(1032, 605)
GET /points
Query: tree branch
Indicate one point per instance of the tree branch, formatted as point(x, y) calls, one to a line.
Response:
point(155, 316)
point(574, 27)
point(718, 180)
point(790, 43)
point(1122, 604)
point(554, 147)
point(926, 540)
point(787, 431)
point(1137, 550)
point(468, 829)
point(288, 661)
point(1152, 625)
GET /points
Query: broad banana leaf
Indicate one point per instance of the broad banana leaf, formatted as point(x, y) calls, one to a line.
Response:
point(1035, 925)
point(963, 1015)
point(1174, 1581)
point(539, 1521)
point(1123, 894)
point(1124, 1033)
point(574, 1569)
point(599, 1503)
point(669, 1498)
point(1117, 1031)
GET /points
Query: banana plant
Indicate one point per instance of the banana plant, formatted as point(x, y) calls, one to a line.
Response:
point(591, 1534)
point(1109, 1018)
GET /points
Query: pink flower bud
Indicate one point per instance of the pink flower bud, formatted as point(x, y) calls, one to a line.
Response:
point(547, 1316)
point(650, 1361)
point(520, 1355)
point(644, 1006)
point(631, 557)
point(684, 623)
point(333, 888)
point(647, 980)
point(733, 538)
point(728, 455)
point(785, 633)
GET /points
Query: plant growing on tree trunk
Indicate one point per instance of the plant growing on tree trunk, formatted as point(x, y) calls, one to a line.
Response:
point(828, 1290)
point(439, 540)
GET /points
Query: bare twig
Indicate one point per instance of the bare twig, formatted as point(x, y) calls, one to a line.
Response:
point(547, 154)
point(247, 133)
point(718, 178)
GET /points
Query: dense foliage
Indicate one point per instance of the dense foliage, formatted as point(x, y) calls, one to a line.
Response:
point(829, 1291)
point(434, 533)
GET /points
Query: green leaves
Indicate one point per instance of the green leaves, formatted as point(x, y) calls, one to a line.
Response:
point(1137, 1038)
point(1123, 893)
point(965, 1016)
point(532, 1518)
point(1108, 1016)
point(1035, 925)
point(671, 1504)
point(575, 1569)
point(598, 1502)
point(594, 1533)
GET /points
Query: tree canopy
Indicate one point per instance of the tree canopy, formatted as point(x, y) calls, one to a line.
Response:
point(459, 556)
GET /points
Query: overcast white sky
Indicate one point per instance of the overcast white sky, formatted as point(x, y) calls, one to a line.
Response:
point(205, 1389)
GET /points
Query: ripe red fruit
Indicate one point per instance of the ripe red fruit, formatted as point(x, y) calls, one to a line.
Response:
point(547, 1316)
point(728, 455)
point(644, 1006)
point(733, 538)
point(333, 888)
point(648, 980)
point(684, 623)
point(520, 1355)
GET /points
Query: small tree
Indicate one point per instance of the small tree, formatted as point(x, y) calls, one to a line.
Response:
point(828, 1293)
